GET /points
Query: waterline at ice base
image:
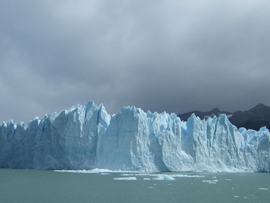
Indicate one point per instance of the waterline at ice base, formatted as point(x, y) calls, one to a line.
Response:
point(87, 137)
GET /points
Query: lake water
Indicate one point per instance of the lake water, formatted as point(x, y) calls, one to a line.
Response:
point(51, 186)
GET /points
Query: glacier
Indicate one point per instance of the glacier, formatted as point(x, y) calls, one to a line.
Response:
point(87, 137)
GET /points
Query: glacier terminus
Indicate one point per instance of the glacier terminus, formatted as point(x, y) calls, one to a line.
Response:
point(87, 137)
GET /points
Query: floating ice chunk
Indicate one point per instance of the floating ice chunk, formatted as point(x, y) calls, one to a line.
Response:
point(210, 181)
point(263, 188)
point(187, 176)
point(97, 170)
point(228, 179)
point(165, 177)
point(73, 171)
point(127, 174)
point(126, 178)
point(236, 196)
point(146, 179)
point(148, 174)
point(105, 174)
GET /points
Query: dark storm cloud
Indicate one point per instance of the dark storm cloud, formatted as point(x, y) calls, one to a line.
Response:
point(172, 56)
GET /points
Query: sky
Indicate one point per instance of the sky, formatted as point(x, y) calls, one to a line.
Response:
point(173, 55)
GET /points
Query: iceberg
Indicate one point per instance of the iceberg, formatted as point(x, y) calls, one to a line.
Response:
point(87, 137)
point(164, 177)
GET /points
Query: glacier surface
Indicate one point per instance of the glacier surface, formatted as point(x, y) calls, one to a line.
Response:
point(87, 137)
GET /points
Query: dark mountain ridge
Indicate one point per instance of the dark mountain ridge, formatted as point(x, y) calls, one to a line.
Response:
point(255, 118)
point(203, 115)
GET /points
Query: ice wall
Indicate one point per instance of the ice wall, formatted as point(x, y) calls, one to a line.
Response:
point(86, 137)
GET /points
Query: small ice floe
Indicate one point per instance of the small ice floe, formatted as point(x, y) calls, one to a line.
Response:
point(171, 175)
point(210, 181)
point(214, 177)
point(263, 188)
point(146, 179)
point(77, 171)
point(228, 179)
point(187, 176)
point(96, 170)
point(144, 174)
point(104, 174)
point(126, 178)
point(127, 174)
point(164, 177)
point(236, 196)
point(71, 171)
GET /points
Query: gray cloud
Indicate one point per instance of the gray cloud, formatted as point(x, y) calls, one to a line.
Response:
point(172, 56)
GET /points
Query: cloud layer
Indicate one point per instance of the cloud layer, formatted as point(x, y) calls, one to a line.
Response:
point(172, 56)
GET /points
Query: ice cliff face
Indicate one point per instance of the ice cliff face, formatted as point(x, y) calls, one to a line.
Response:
point(86, 137)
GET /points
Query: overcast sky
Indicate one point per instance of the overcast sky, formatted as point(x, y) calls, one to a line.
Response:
point(173, 55)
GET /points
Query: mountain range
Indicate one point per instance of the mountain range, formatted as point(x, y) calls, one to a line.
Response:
point(255, 118)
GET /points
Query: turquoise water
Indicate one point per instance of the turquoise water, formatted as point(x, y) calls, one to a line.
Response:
point(50, 186)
